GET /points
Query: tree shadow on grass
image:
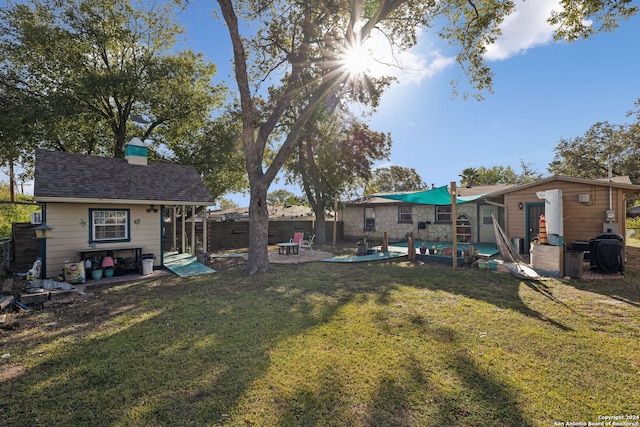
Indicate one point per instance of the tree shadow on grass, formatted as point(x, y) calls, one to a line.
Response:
point(183, 353)
point(452, 390)
point(623, 290)
point(186, 351)
point(413, 394)
point(500, 290)
point(320, 405)
point(494, 402)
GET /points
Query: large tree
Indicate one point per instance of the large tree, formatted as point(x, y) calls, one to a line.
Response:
point(294, 40)
point(527, 173)
point(212, 149)
point(334, 153)
point(280, 197)
point(87, 75)
point(604, 147)
point(495, 175)
point(394, 178)
point(14, 212)
point(499, 175)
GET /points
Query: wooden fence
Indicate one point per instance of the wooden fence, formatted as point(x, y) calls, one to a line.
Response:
point(5, 256)
point(235, 234)
point(19, 253)
point(26, 248)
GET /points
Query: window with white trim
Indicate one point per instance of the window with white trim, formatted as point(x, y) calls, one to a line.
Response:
point(370, 219)
point(109, 225)
point(405, 214)
point(443, 213)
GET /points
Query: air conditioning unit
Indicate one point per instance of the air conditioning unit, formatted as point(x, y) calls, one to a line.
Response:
point(36, 218)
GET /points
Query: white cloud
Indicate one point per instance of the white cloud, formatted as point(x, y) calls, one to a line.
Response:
point(426, 67)
point(408, 67)
point(527, 27)
point(413, 68)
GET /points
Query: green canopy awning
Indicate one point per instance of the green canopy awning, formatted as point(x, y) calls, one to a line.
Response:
point(437, 196)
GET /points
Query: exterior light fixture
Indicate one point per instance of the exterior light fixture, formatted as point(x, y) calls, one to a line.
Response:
point(520, 205)
point(43, 231)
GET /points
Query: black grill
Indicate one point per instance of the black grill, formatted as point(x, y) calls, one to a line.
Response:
point(607, 253)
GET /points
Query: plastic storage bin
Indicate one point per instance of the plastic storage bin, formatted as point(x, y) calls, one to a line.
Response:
point(147, 264)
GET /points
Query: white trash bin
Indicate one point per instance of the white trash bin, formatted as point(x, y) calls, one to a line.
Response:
point(147, 266)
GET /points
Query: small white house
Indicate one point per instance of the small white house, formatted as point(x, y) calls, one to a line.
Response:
point(99, 204)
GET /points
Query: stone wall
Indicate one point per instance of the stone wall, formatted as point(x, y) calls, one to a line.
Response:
point(386, 219)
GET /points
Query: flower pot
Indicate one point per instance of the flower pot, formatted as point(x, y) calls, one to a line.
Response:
point(108, 272)
point(96, 274)
point(423, 250)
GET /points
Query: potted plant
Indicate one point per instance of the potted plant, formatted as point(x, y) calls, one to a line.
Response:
point(423, 248)
point(108, 266)
point(96, 268)
point(96, 273)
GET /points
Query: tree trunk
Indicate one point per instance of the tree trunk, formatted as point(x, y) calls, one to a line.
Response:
point(320, 228)
point(258, 228)
point(12, 183)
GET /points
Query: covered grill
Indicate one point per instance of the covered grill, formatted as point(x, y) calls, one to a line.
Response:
point(607, 253)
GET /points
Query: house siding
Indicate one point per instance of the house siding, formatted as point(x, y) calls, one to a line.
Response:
point(70, 223)
point(582, 221)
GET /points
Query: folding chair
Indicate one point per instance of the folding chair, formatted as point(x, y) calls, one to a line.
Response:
point(297, 238)
point(307, 243)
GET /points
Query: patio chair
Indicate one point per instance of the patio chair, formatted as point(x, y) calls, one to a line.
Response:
point(307, 243)
point(297, 238)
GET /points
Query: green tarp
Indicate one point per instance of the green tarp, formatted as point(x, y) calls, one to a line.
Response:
point(437, 196)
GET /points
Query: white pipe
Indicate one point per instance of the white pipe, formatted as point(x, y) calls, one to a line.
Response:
point(610, 190)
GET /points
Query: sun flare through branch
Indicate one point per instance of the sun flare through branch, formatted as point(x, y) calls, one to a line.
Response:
point(356, 59)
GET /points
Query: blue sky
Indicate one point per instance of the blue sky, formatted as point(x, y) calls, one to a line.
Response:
point(543, 91)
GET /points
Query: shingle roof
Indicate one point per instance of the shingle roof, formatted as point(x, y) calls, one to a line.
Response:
point(623, 182)
point(481, 190)
point(61, 175)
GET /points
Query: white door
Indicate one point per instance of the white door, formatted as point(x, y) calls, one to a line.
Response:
point(485, 226)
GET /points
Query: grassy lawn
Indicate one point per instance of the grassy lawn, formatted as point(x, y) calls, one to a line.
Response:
point(324, 344)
